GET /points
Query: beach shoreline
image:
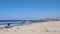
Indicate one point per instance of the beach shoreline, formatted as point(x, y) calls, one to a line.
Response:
point(33, 28)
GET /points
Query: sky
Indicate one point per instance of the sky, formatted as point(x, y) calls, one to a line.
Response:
point(29, 9)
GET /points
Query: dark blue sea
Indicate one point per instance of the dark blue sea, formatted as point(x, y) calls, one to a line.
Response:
point(2, 22)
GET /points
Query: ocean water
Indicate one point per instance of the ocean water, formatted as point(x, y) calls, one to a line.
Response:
point(3, 22)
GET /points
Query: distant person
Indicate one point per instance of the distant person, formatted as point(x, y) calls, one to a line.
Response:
point(9, 24)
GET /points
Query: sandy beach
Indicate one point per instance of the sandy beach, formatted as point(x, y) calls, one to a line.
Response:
point(34, 28)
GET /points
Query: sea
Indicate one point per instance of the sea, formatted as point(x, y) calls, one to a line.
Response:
point(4, 23)
point(20, 22)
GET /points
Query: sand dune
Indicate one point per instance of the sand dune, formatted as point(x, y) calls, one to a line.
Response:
point(34, 28)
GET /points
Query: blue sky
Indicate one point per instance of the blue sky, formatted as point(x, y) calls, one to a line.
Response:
point(29, 9)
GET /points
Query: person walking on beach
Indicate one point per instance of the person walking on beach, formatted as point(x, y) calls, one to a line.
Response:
point(9, 24)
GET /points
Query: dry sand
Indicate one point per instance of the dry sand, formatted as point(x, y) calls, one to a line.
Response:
point(34, 28)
